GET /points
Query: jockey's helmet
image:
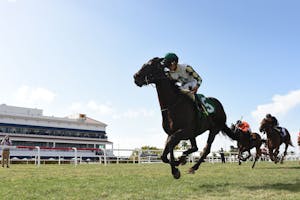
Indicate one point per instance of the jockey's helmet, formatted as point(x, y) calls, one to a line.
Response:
point(268, 116)
point(169, 58)
point(238, 122)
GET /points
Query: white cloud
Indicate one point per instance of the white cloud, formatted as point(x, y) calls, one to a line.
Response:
point(104, 109)
point(280, 105)
point(92, 107)
point(27, 96)
point(107, 109)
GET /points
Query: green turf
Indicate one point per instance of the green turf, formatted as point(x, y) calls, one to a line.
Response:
point(151, 181)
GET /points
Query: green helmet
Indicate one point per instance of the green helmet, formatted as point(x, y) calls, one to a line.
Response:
point(169, 58)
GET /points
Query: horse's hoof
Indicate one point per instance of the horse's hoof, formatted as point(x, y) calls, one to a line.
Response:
point(176, 175)
point(182, 160)
point(177, 163)
point(191, 171)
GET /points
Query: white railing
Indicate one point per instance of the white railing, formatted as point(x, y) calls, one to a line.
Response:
point(35, 155)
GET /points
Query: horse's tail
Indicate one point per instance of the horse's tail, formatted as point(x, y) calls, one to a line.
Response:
point(229, 132)
point(289, 137)
point(290, 143)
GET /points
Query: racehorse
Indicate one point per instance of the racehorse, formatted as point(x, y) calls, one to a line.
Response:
point(274, 139)
point(244, 143)
point(180, 118)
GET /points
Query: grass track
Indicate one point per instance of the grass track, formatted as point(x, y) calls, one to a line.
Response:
point(151, 181)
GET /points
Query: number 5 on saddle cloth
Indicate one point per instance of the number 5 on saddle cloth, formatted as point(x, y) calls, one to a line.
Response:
point(204, 104)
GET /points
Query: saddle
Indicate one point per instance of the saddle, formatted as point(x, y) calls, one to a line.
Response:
point(281, 131)
point(253, 136)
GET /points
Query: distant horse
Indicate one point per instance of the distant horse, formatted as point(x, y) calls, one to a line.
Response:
point(181, 120)
point(274, 139)
point(244, 144)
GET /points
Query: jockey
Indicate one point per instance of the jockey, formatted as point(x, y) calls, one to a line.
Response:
point(275, 124)
point(273, 120)
point(189, 79)
point(244, 127)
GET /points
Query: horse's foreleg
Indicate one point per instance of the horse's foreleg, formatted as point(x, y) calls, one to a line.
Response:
point(164, 156)
point(249, 155)
point(194, 148)
point(284, 154)
point(240, 156)
point(206, 151)
point(173, 141)
point(276, 152)
point(271, 154)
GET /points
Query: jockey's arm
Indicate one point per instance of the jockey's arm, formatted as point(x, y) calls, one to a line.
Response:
point(195, 89)
point(195, 76)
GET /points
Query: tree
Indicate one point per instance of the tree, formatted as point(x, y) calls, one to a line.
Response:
point(146, 151)
point(183, 145)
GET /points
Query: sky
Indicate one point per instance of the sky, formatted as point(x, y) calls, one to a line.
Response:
point(78, 56)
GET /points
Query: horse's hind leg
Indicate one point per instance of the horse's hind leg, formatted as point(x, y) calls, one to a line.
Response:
point(206, 151)
point(257, 156)
point(194, 148)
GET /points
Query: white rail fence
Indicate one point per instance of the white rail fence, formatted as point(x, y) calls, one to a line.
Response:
point(42, 155)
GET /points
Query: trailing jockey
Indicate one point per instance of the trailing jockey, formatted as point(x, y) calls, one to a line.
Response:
point(275, 125)
point(245, 128)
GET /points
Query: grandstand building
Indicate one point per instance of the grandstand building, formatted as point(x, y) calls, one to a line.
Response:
point(28, 127)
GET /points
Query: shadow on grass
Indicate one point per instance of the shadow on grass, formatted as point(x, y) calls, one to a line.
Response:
point(282, 167)
point(292, 187)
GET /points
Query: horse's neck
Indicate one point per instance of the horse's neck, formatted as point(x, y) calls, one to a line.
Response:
point(166, 94)
point(272, 133)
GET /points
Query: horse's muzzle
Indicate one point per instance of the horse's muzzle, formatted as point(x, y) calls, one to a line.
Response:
point(137, 80)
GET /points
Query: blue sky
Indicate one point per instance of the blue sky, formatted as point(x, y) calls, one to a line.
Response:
point(80, 56)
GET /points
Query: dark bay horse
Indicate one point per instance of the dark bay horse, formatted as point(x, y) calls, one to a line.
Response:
point(274, 139)
point(181, 120)
point(245, 144)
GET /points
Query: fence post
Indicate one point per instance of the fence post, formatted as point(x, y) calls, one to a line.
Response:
point(38, 156)
point(105, 160)
point(75, 155)
point(139, 156)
